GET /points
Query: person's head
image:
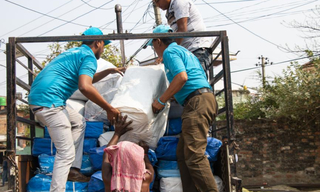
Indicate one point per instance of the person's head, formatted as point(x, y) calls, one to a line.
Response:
point(96, 46)
point(162, 4)
point(224, 139)
point(160, 45)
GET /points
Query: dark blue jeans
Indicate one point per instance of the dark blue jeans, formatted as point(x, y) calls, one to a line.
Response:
point(205, 58)
point(4, 176)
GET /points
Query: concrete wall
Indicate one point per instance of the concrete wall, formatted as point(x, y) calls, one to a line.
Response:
point(275, 153)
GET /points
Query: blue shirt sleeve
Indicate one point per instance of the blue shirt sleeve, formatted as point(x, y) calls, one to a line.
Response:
point(173, 62)
point(88, 66)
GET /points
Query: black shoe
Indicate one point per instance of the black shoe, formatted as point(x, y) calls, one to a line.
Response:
point(75, 175)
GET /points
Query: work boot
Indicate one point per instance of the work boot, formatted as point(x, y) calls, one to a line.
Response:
point(75, 175)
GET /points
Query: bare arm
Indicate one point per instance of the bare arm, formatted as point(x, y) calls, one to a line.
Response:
point(88, 90)
point(148, 177)
point(182, 27)
point(106, 172)
point(177, 83)
point(98, 76)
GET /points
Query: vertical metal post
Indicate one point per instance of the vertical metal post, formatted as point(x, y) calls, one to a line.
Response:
point(30, 79)
point(263, 71)
point(227, 83)
point(157, 14)
point(118, 10)
point(11, 105)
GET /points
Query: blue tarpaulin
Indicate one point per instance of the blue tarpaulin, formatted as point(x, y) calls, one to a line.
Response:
point(46, 164)
point(168, 169)
point(41, 183)
point(96, 155)
point(93, 129)
point(174, 126)
point(167, 147)
point(96, 183)
point(45, 146)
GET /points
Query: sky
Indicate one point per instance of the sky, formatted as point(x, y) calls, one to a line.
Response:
point(255, 28)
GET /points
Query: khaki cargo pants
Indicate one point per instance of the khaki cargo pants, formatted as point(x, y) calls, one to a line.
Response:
point(66, 128)
point(198, 114)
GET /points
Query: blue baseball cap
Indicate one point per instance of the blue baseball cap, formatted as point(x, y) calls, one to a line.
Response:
point(95, 31)
point(160, 29)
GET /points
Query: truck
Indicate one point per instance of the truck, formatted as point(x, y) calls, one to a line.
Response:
point(23, 166)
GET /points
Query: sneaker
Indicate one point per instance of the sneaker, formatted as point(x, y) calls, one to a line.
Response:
point(76, 175)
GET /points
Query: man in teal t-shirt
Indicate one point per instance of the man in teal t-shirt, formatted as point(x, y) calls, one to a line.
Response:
point(71, 70)
point(189, 86)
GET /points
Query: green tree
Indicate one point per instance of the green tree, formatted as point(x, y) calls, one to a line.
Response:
point(111, 53)
point(294, 96)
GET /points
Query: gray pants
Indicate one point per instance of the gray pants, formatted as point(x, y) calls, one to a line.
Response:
point(66, 128)
point(205, 58)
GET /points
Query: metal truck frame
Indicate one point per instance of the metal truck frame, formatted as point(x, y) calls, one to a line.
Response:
point(23, 165)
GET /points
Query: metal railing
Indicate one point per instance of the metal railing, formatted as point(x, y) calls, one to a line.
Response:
point(15, 43)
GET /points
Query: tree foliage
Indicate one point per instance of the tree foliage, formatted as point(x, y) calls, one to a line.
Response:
point(111, 53)
point(294, 96)
point(310, 29)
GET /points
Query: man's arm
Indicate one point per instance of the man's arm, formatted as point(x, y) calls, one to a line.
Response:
point(106, 170)
point(182, 27)
point(98, 76)
point(88, 90)
point(148, 177)
point(177, 83)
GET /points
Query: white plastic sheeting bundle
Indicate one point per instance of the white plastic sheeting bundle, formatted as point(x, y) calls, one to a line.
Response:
point(77, 105)
point(136, 93)
point(105, 84)
point(171, 184)
point(94, 112)
point(105, 138)
point(174, 184)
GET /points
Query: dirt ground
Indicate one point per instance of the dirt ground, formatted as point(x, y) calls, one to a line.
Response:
point(281, 188)
point(4, 188)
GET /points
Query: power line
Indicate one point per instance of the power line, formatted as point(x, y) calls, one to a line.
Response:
point(41, 25)
point(96, 7)
point(104, 26)
point(76, 18)
point(277, 63)
point(261, 17)
point(242, 26)
point(271, 14)
point(109, 8)
point(224, 2)
point(35, 19)
point(46, 14)
point(143, 16)
point(259, 10)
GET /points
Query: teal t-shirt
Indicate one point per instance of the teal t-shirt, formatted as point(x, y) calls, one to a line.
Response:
point(59, 79)
point(177, 59)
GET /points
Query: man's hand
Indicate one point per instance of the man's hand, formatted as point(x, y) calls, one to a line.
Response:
point(159, 60)
point(113, 114)
point(121, 126)
point(119, 70)
point(156, 106)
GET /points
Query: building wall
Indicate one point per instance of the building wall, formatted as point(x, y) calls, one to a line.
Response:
point(3, 124)
point(275, 153)
point(22, 128)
